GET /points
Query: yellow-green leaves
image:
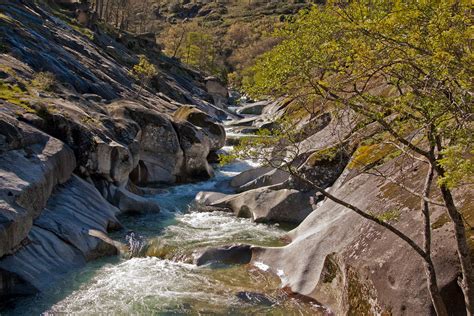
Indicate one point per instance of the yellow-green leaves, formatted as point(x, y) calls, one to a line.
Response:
point(143, 72)
point(459, 165)
point(409, 59)
point(144, 69)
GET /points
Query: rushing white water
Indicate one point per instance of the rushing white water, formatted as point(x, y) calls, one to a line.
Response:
point(165, 281)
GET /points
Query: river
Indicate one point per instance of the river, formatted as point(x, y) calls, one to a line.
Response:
point(165, 281)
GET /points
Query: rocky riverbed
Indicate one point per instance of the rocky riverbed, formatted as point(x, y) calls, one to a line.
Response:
point(164, 278)
point(111, 200)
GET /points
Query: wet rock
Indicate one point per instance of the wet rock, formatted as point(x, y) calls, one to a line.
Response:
point(136, 243)
point(206, 198)
point(255, 298)
point(213, 157)
point(44, 261)
point(13, 286)
point(125, 200)
point(235, 254)
point(204, 201)
point(269, 204)
point(59, 239)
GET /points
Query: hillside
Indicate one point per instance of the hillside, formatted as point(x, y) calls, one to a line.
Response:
point(218, 37)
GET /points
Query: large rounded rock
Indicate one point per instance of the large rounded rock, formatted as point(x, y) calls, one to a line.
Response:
point(258, 177)
point(196, 147)
point(31, 165)
point(104, 147)
point(125, 200)
point(161, 156)
point(59, 239)
point(213, 130)
point(234, 254)
point(354, 266)
point(268, 204)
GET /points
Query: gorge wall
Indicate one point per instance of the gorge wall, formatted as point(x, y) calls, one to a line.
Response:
point(334, 256)
point(79, 136)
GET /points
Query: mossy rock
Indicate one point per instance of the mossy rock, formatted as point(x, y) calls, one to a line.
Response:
point(367, 156)
point(16, 95)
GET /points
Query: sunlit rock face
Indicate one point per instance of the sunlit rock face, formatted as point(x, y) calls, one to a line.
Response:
point(210, 126)
point(70, 151)
point(32, 163)
point(160, 153)
point(218, 91)
point(196, 147)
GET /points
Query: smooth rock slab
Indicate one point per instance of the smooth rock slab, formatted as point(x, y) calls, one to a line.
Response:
point(253, 108)
point(31, 165)
point(258, 177)
point(266, 204)
point(59, 240)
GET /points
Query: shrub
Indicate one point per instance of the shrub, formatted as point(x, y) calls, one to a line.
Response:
point(143, 72)
point(44, 81)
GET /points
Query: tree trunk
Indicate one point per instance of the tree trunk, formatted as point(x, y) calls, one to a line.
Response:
point(430, 271)
point(100, 8)
point(467, 282)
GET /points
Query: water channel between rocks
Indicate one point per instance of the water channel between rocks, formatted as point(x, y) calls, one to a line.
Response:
point(166, 282)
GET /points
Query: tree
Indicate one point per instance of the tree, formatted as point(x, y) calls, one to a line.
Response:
point(144, 71)
point(406, 65)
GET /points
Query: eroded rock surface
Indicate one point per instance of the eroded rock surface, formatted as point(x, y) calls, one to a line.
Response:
point(31, 165)
point(210, 126)
point(59, 239)
point(77, 133)
point(353, 266)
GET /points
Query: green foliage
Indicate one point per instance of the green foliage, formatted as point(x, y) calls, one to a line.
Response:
point(327, 154)
point(144, 69)
point(227, 40)
point(459, 165)
point(83, 30)
point(143, 72)
point(367, 155)
point(409, 58)
point(276, 147)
